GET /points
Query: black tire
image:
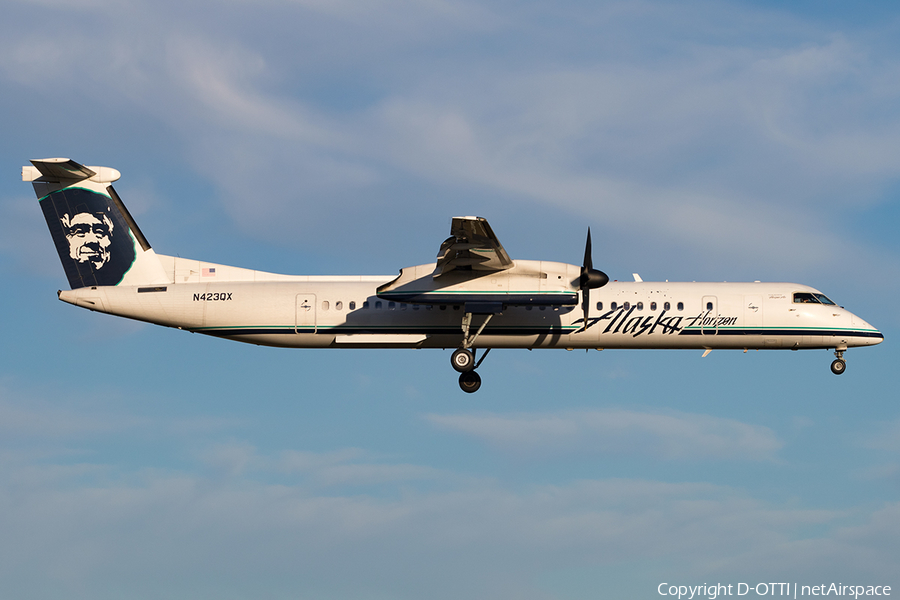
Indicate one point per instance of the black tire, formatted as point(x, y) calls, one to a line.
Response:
point(838, 366)
point(469, 382)
point(462, 360)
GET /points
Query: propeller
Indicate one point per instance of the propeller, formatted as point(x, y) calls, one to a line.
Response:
point(590, 278)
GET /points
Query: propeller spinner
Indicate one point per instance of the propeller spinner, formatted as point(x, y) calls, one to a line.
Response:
point(590, 278)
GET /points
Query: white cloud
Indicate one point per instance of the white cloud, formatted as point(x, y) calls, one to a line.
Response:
point(32, 417)
point(754, 141)
point(476, 540)
point(351, 466)
point(401, 16)
point(862, 551)
point(699, 130)
point(224, 83)
point(345, 467)
point(672, 436)
point(294, 521)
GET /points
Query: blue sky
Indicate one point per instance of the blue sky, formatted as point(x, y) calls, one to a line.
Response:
point(699, 141)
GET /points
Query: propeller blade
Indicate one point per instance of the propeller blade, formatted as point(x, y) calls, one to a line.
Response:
point(588, 263)
point(590, 278)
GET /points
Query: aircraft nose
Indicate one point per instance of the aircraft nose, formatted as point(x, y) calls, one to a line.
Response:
point(872, 335)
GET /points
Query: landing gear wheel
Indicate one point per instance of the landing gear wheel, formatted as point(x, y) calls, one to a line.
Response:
point(469, 382)
point(838, 366)
point(463, 361)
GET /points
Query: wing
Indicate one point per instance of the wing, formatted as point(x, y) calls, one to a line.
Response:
point(471, 245)
point(465, 275)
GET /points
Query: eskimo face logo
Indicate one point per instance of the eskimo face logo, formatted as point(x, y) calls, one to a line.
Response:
point(92, 238)
point(89, 238)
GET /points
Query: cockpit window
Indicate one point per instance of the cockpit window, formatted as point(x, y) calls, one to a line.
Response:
point(824, 299)
point(804, 298)
point(807, 298)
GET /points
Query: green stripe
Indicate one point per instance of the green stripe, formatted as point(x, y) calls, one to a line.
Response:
point(820, 328)
point(442, 292)
point(451, 328)
point(73, 187)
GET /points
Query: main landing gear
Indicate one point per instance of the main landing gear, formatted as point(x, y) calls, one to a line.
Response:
point(469, 382)
point(463, 358)
point(839, 365)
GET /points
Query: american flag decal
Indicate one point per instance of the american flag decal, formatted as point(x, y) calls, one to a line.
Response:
point(209, 272)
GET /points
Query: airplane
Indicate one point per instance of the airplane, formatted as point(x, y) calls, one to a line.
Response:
point(473, 297)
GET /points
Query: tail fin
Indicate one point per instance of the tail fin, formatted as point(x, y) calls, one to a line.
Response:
point(97, 240)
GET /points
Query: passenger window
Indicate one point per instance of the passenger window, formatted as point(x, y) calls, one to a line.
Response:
point(666, 306)
point(709, 306)
point(443, 307)
point(378, 305)
point(324, 304)
point(640, 306)
point(653, 306)
point(804, 298)
point(681, 306)
point(391, 305)
point(415, 307)
point(338, 305)
point(365, 305)
point(352, 305)
point(627, 305)
point(613, 306)
point(403, 306)
point(599, 306)
point(529, 307)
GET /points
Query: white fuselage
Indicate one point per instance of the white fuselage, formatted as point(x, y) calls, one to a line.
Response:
point(342, 312)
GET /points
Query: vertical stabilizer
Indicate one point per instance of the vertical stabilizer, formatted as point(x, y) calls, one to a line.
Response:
point(97, 240)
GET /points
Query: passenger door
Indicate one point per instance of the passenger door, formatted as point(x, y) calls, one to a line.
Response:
point(753, 312)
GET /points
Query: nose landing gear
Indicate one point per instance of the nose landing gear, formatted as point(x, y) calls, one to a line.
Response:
point(839, 365)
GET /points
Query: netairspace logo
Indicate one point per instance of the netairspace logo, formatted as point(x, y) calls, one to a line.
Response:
point(770, 589)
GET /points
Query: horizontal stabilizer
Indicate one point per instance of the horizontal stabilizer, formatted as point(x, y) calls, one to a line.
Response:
point(55, 170)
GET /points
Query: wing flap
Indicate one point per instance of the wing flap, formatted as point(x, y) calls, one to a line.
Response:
point(383, 338)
